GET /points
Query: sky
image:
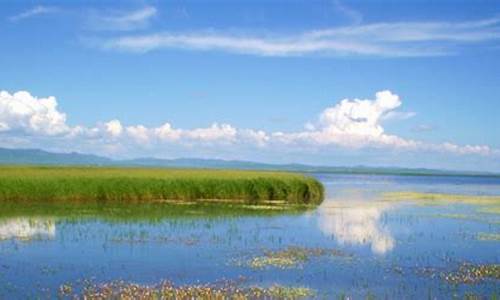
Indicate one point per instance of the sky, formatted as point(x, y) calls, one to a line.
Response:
point(336, 83)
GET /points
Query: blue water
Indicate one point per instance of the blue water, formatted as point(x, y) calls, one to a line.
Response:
point(389, 245)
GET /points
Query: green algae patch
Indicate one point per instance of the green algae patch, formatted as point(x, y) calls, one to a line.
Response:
point(484, 204)
point(290, 257)
point(166, 290)
point(435, 198)
point(482, 236)
point(29, 185)
point(472, 274)
point(473, 217)
point(490, 210)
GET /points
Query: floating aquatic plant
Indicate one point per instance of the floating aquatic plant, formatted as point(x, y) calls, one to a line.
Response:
point(167, 290)
point(290, 257)
point(470, 274)
point(437, 198)
point(482, 236)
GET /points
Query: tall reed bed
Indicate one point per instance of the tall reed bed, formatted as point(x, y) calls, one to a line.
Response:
point(30, 184)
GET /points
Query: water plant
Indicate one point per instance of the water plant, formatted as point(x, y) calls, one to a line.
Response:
point(290, 257)
point(470, 274)
point(483, 203)
point(135, 185)
point(437, 198)
point(167, 290)
point(482, 236)
point(473, 217)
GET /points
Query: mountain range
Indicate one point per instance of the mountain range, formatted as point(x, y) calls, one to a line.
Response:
point(41, 157)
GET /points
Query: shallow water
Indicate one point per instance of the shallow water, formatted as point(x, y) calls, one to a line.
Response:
point(393, 249)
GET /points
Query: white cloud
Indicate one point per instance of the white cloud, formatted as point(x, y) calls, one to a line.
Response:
point(167, 133)
point(355, 16)
point(398, 115)
point(22, 112)
point(380, 39)
point(467, 149)
point(423, 128)
point(212, 133)
point(114, 128)
point(350, 124)
point(121, 20)
point(353, 123)
point(255, 137)
point(35, 11)
point(139, 133)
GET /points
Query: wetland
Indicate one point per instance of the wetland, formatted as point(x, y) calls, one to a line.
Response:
point(373, 236)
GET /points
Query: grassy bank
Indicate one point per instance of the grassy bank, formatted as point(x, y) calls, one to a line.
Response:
point(134, 185)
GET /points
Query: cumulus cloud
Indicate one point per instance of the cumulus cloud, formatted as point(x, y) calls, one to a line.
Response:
point(114, 128)
point(167, 133)
point(351, 124)
point(396, 39)
point(121, 20)
point(212, 133)
point(22, 112)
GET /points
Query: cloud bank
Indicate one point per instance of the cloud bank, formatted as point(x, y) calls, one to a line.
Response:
point(349, 124)
point(396, 39)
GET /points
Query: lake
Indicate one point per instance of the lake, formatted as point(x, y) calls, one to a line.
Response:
point(353, 245)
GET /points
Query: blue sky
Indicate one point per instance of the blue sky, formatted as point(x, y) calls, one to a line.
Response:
point(256, 80)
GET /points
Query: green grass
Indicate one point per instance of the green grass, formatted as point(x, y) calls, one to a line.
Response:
point(94, 185)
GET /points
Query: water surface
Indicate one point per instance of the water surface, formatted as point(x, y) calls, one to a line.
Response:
point(393, 249)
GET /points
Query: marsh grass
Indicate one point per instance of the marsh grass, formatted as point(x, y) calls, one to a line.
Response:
point(96, 185)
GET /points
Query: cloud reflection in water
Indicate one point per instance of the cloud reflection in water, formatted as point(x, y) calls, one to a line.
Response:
point(356, 222)
point(27, 229)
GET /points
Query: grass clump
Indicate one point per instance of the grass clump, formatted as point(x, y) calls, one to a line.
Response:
point(166, 290)
point(138, 185)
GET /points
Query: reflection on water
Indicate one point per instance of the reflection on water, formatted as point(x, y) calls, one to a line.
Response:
point(27, 228)
point(398, 249)
point(356, 223)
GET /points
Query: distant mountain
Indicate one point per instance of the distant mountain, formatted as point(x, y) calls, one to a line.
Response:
point(36, 156)
point(41, 157)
